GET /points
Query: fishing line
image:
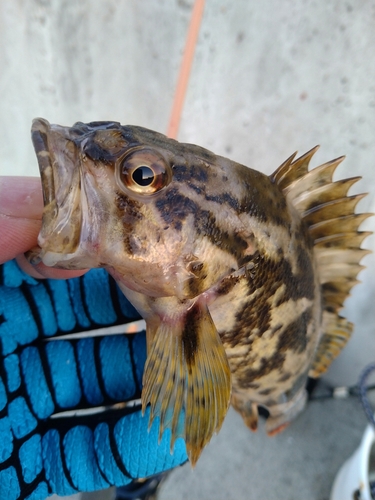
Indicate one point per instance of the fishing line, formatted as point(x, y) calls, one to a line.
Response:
point(359, 390)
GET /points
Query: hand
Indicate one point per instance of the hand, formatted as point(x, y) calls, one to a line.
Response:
point(65, 420)
point(21, 208)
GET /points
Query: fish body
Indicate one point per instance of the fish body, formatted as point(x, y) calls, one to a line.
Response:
point(239, 275)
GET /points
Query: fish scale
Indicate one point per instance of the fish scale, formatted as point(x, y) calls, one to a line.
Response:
point(239, 276)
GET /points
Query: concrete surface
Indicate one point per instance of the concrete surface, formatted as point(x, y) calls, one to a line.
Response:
point(269, 78)
point(299, 464)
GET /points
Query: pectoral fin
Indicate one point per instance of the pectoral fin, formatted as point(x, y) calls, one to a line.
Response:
point(187, 379)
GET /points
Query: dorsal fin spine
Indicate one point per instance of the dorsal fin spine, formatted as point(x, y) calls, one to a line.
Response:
point(329, 213)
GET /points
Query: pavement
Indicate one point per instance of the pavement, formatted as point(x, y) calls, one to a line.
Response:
point(298, 464)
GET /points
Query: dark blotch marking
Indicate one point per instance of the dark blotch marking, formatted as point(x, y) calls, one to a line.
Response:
point(275, 329)
point(253, 386)
point(330, 309)
point(128, 211)
point(102, 144)
point(197, 284)
point(232, 243)
point(40, 141)
point(264, 279)
point(330, 287)
point(174, 208)
point(263, 199)
point(267, 365)
point(184, 173)
point(195, 266)
point(197, 189)
point(97, 153)
point(190, 340)
point(294, 336)
point(286, 376)
point(226, 198)
point(306, 278)
point(266, 392)
point(256, 312)
point(227, 284)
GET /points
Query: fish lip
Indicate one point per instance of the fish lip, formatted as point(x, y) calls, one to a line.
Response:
point(40, 131)
point(59, 237)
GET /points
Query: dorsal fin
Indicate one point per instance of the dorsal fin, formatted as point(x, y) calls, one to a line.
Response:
point(334, 227)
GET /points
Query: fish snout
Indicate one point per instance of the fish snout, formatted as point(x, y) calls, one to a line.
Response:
point(58, 160)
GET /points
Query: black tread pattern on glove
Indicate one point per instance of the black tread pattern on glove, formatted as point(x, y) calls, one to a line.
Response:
point(43, 376)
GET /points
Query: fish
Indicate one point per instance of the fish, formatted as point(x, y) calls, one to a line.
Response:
point(240, 276)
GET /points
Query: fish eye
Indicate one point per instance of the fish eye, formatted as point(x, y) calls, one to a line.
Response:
point(143, 171)
point(143, 175)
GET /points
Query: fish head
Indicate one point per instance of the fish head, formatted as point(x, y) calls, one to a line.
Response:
point(130, 200)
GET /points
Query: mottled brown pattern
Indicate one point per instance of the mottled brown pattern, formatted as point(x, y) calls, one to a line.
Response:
point(128, 210)
point(267, 276)
point(233, 243)
point(210, 235)
point(196, 175)
point(174, 208)
point(261, 200)
point(267, 365)
point(129, 213)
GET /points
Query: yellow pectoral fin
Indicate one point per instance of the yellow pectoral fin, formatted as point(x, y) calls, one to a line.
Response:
point(187, 379)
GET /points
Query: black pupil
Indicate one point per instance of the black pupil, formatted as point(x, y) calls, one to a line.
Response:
point(143, 175)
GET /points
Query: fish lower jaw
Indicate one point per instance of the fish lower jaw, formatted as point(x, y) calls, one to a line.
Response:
point(70, 261)
point(52, 259)
point(37, 255)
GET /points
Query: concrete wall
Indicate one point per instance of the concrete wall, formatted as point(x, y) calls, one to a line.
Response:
point(269, 78)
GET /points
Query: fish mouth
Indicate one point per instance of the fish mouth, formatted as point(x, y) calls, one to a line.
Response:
point(59, 166)
point(39, 135)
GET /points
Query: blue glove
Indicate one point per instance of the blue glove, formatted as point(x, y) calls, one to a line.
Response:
point(45, 447)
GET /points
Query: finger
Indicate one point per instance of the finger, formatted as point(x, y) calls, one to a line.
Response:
point(21, 208)
point(17, 235)
point(21, 197)
point(40, 271)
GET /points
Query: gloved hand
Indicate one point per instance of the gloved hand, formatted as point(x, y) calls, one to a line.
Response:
point(43, 449)
point(65, 426)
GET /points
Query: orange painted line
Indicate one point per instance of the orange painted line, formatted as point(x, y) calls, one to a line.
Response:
point(186, 63)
